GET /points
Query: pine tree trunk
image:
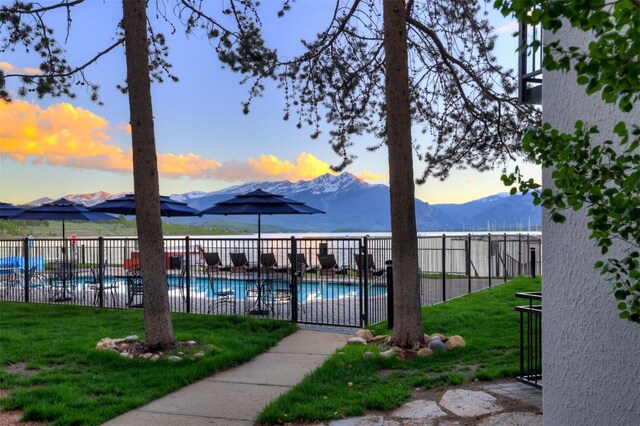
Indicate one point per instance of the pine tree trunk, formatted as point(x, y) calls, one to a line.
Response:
point(404, 241)
point(157, 319)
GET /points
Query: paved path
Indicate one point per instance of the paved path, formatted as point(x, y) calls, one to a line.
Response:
point(237, 396)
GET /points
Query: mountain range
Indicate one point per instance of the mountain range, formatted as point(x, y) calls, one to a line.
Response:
point(353, 205)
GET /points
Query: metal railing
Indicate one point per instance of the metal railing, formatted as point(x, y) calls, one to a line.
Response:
point(530, 340)
point(328, 281)
point(530, 64)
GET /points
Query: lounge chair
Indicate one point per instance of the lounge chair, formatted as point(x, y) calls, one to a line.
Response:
point(241, 263)
point(269, 263)
point(301, 263)
point(371, 266)
point(329, 265)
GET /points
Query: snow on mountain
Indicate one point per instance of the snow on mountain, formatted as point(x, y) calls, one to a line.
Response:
point(354, 205)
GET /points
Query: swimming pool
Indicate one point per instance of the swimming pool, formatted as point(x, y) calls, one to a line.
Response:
point(307, 290)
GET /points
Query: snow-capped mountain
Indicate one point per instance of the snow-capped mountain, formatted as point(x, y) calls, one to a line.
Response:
point(354, 205)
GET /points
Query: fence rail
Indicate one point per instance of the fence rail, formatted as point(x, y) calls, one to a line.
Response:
point(329, 281)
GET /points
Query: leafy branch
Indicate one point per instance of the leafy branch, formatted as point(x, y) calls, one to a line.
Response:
point(601, 177)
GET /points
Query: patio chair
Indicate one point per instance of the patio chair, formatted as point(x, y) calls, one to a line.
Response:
point(371, 266)
point(329, 265)
point(93, 285)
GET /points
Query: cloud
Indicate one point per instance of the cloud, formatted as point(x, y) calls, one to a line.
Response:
point(124, 127)
point(8, 68)
point(510, 27)
point(371, 176)
point(64, 135)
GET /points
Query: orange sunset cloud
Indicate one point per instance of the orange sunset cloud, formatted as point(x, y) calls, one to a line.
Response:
point(11, 69)
point(68, 136)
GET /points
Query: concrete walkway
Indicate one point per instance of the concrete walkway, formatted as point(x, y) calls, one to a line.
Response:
point(237, 396)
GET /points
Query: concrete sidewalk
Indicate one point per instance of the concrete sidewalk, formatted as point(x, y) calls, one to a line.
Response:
point(238, 395)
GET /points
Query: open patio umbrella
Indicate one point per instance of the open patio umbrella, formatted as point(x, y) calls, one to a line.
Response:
point(8, 211)
point(126, 205)
point(62, 209)
point(258, 203)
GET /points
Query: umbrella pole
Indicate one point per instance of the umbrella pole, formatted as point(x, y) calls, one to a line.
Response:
point(259, 271)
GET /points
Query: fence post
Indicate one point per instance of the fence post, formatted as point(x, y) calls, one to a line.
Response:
point(101, 266)
point(294, 280)
point(489, 259)
point(469, 261)
point(504, 258)
point(519, 254)
point(533, 261)
point(444, 267)
point(365, 289)
point(27, 278)
point(187, 259)
point(390, 312)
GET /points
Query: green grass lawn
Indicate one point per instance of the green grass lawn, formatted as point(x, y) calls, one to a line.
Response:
point(486, 320)
point(49, 364)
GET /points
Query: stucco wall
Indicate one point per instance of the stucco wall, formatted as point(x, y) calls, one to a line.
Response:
point(591, 358)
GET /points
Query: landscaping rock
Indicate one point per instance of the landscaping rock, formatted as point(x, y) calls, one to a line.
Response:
point(131, 339)
point(105, 343)
point(425, 352)
point(420, 409)
point(357, 341)
point(438, 336)
point(174, 358)
point(467, 403)
point(365, 334)
point(198, 355)
point(388, 354)
point(147, 355)
point(115, 348)
point(457, 341)
point(427, 339)
point(124, 354)
point(155, 357)
point(437, 345)
point(191, 343)
point(379, 338)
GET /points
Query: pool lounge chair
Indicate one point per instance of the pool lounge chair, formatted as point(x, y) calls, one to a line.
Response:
point(269, 264)
point(301, 263)
point(329, 266)
point(241, 263)
point(371, 266)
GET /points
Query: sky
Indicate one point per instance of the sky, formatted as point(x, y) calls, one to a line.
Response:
point(51, 147)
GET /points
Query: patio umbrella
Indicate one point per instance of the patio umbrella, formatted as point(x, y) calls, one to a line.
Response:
point(62, 209)
point(126, 205)
point(258, 203)
point(8, 211)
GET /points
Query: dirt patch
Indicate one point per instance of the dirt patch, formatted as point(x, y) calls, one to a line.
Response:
point(12, 418)
point(19, 368)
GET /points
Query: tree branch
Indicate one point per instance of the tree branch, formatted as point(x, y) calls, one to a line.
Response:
point(75, 70)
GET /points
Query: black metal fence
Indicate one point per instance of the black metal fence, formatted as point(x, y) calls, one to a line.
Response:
point(329, 281)
point(531, 340)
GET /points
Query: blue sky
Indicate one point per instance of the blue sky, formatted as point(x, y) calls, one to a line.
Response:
point(56, 146)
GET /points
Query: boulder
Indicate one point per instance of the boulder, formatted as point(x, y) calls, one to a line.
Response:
point(379, 338)
point(174, 358)
point(388, 354)
point(105, 343)
point(437, 346)
point(437, 336)
point(357, 341)
point(424, 352)
point(457, 341)
point(131, 339)
point(365, 334)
